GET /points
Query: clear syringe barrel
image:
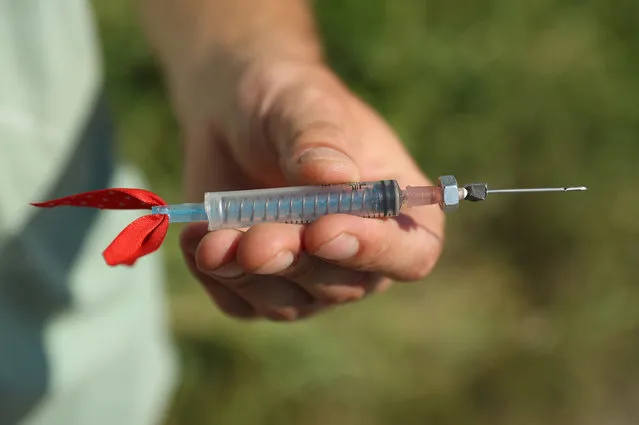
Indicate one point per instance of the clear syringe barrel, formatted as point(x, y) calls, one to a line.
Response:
point(301, 204)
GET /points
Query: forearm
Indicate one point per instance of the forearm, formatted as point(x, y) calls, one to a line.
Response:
point(223, 37)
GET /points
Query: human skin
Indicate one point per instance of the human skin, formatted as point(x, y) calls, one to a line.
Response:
point(259, 107)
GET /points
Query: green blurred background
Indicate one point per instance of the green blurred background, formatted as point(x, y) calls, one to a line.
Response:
point(531, 316)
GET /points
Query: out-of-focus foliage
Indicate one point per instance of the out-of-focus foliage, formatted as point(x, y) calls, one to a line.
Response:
point(532, 315)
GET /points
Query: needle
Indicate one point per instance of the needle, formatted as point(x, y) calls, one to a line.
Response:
point(541, 189)
point(478, 191)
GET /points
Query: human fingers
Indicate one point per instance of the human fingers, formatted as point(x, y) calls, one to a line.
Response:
point(277, 249)
point(271, 296)
point(403, 248)
point(226, 300)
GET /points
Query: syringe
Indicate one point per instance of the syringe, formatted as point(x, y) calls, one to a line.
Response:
point(305, 204)
point(245, 208)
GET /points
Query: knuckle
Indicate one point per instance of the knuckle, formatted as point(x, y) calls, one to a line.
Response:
point(341, 294)
point(381, 284)
point(281, 314)
point(316, 96)
point(423, 264)
point(324, 284)
point(360, 286)
point(301, 270)
point(416, 273)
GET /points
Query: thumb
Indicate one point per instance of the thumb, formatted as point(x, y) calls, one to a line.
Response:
point(320, 154)
point(314, 136)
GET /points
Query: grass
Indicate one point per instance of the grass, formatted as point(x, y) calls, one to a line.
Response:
point(530, 317)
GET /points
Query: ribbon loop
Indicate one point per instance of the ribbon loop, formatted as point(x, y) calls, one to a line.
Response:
point(142, 237)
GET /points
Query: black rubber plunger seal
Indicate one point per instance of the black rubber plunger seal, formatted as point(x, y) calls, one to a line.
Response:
point(476, 192)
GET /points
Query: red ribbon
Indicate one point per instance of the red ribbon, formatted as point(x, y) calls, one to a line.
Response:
point(140, 238)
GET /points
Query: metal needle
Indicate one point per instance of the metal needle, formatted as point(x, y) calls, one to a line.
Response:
point(540, 189)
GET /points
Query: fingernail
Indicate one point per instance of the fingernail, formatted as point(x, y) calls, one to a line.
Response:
point(230, 270)
point(340, 248)
point(281, 262)
point(323, 154)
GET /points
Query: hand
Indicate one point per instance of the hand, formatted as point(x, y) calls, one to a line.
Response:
point(297, 124)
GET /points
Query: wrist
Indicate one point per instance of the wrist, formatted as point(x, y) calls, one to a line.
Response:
point(207, 47)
